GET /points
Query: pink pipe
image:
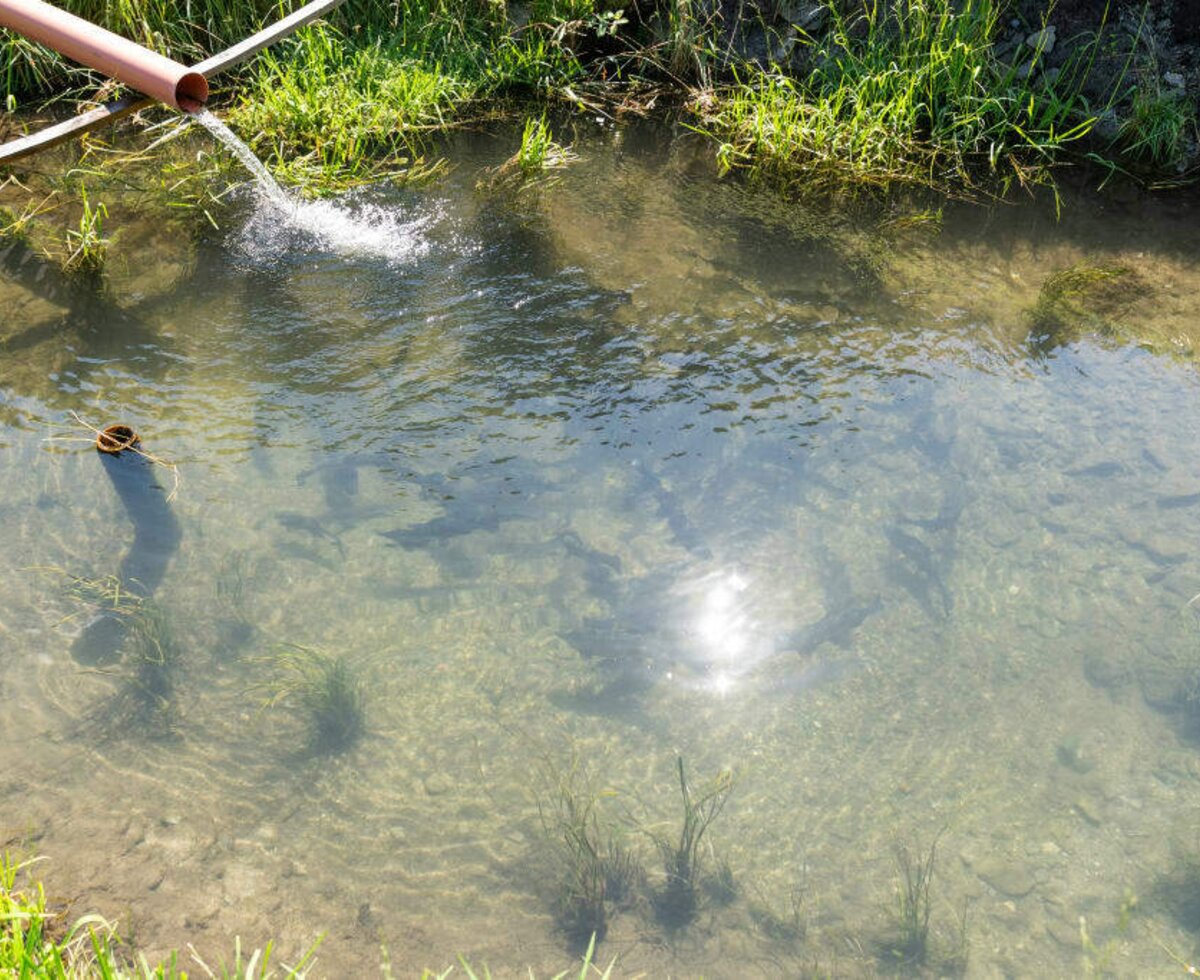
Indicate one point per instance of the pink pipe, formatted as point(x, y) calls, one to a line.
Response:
point(109, 53)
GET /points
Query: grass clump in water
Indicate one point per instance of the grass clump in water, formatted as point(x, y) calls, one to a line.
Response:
point(139, 630)
point(234, 628)
point(597, 873)
point(86, 243)
point(323, 688)
point(150, 661)
point(80, 247)
point(1083, 298)
point(913, 907)
point(537, 156)
point(538, 151)
point(683, 856)
point(912, 943)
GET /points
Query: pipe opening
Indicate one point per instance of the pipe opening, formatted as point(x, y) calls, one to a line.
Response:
point(191, 92)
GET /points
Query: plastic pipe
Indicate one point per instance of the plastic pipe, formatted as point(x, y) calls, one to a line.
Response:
point(140, 68)
point(112, 111)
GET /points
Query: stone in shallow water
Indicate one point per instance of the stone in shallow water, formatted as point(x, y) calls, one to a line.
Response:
point(1071, 753)
point(1005, 875)
point(437, 784)
point(1106, 669)
point(1162, 685)
point(1087, 811)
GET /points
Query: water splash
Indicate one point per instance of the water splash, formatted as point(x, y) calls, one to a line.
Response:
point(339, 226)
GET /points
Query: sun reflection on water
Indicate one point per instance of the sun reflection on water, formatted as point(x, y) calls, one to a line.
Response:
point(725, 633)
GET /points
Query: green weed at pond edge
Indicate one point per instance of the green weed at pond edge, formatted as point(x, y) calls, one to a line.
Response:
point(1157, 127)
point(37, 942)
point(867, 97)
point(911, 94)
point(348, 113)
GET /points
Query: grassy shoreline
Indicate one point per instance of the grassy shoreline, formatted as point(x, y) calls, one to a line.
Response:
point(841, 95)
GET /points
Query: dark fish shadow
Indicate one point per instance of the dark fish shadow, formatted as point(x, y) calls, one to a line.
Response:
point(924, 552)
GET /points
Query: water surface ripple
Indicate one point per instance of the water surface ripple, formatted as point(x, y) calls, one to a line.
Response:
point(626, 467)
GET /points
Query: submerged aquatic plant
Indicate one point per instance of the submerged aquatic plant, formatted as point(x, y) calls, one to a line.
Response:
point(139, 630)
point(913, 906)
point(150, 660)
point(682, 855)
point(234, 628)
point(597, 872)
point(325, 689)
point(1082, 298)
point(1098, 959)
point(787, 927)
point(912, 942)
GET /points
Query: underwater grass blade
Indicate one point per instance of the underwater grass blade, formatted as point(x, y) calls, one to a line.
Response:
point(682, 855)
point(325, 689)
point(597, 874)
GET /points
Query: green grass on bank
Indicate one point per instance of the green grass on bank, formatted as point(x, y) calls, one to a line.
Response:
point(349, 112)
point(911, 94)
point(36, 943)
point(329, 106)
point(871, 93)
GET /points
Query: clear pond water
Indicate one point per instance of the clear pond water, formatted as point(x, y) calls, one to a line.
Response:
point(897, 522)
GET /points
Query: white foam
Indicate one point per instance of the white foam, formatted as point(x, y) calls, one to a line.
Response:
point(343, 226)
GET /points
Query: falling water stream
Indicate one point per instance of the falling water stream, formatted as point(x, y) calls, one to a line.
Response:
point(366, 230)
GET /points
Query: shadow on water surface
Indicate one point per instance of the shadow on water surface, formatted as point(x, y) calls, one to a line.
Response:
point(156, 538)
point(88, 331)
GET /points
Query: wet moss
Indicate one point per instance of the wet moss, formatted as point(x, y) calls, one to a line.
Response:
point(1085, 298)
